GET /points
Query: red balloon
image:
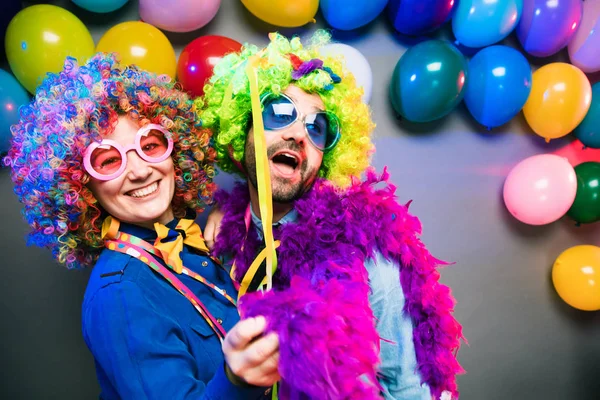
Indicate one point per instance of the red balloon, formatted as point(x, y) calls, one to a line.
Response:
point(198, 59)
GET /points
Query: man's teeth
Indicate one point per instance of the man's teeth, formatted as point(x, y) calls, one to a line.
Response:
point(287, 159)
point(145, 191)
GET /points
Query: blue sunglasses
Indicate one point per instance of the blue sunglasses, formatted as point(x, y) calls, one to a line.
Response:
point(280, 111)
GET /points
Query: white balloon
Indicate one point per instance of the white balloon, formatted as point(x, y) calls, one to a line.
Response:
point(356, 63)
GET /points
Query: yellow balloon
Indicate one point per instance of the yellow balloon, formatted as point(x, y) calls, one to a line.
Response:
point(559, 100)
point(286, 13)
point(40, 37)
point(141, 44)
point(576, 277)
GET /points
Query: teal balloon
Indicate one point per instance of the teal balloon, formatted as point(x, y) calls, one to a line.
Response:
point(429, 81)
point(588, 131)
point(480, 23)
point(12, 96)
point(100, 6)
point(499, 85)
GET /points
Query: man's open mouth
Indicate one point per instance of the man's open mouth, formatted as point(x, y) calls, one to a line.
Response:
point(285, 162)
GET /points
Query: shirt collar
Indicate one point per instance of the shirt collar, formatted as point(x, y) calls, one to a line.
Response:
point(146, 234)
point(290, 217)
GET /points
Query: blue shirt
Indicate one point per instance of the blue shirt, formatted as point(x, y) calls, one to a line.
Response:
point(398, 370)
point(147, 339)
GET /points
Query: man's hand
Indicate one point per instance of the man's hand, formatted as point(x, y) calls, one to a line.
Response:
point(213, 226)
point(251, 357)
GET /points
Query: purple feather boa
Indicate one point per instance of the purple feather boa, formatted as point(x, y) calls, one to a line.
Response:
point(319, 305)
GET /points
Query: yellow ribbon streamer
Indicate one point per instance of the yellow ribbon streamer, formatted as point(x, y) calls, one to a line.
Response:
point(263, 175)
point(252, 271)
point(171, 251)
point(110, 227)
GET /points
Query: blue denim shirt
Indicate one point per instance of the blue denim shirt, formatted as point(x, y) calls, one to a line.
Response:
point(147, 339)
point(398, 370)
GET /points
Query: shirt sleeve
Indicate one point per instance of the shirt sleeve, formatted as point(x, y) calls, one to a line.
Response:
point(143, 352)
point(399, 376)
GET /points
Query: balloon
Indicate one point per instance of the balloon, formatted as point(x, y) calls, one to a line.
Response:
point(480, 23)
point(560, 97)
point(417, 17)
point(356, 63)
point(428, 81)
point(12, 96)
point(9, 10)
point(586, 208)
point(588, 131)
point(585, 45)
point(540, 189)
point(284, 13)
point(38, 40)
point(179, 15)
point(100, 6)
point(141, 44)
point(576, 274)
point(198, 59)
point(347, 15)
point(499, 84)
point(548, 26)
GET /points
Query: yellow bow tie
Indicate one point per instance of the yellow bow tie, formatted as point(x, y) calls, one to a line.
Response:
point(187, 232)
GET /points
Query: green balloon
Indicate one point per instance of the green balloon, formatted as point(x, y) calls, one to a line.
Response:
point(586, 207)
point(429, 81)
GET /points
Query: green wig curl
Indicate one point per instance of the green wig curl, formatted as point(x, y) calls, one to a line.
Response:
point(226, 107)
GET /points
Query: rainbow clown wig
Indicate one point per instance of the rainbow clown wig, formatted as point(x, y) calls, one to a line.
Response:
point(81, 105)
point(226, 105)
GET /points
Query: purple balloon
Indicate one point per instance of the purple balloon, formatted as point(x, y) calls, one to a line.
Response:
point(584, 49)
point(416, 17)
point(547, 26)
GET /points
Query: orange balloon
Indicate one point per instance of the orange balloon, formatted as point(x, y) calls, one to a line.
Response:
point(576, 277)
point(141, 44)
point(559, 100)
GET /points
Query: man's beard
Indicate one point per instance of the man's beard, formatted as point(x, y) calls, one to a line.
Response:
point(282, 190)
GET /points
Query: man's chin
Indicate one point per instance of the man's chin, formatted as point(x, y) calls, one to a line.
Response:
point(284, 193)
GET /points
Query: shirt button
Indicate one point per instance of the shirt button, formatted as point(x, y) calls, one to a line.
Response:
point(205, 263)
point(219, 320)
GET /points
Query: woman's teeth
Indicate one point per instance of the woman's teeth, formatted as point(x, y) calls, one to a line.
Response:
point(143, 192)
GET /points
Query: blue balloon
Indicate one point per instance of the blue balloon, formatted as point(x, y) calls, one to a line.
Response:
point(347, 15)
point(588, 131)
point(499, 85)
point(417, 17)
point(12, 96)
point(480, 23)
point(100, 6)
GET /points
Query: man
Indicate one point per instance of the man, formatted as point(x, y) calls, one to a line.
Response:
point(355, 296)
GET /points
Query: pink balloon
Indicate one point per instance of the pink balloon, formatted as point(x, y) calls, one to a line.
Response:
point(178, 15)
point(540, 189)
point(584, 48)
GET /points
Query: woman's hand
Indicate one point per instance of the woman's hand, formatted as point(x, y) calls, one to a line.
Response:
point(213, 226)
point(251, 357)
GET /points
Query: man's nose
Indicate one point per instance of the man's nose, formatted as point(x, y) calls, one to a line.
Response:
point(295, 132)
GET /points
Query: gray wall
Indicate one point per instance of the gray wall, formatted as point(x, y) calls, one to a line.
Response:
point(524, 342)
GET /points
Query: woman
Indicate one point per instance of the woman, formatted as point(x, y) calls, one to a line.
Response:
point(111, 169)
